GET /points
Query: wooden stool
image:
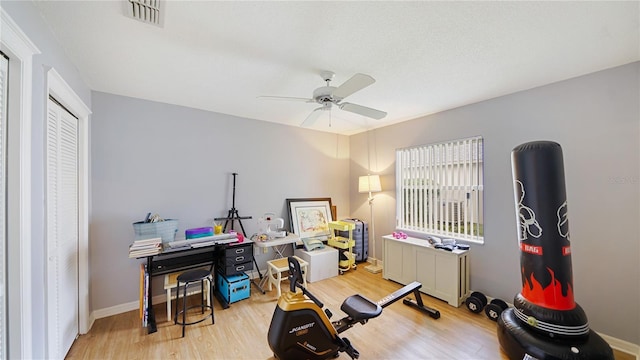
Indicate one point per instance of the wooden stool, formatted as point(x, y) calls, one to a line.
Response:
point(185, 279)
point(278, 266)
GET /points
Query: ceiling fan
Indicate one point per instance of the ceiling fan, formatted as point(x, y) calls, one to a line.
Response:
point(328, 95)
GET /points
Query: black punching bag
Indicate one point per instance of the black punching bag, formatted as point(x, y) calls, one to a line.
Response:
point(543, 227)
point(546, 322)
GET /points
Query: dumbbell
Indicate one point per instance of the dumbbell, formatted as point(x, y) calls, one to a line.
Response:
point(476, 302)
point(495, 308)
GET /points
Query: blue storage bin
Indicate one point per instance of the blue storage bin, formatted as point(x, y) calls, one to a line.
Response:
point(233, 287)
point(163, 229)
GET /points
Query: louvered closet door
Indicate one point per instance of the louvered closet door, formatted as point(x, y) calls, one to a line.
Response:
point(62, 230)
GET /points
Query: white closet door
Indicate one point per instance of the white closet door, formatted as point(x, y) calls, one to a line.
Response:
point(62, 230)
point(4, 68)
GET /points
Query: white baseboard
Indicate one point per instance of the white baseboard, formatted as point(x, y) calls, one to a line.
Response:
point(158, 299)
point(253, 274)
point(118, 309)
point(134, 305)
point(92, 319)
point(621, 345)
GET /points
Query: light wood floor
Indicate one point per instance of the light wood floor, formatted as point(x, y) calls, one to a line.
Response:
point(240, 332)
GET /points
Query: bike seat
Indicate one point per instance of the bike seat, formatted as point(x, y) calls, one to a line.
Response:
point(360, 308)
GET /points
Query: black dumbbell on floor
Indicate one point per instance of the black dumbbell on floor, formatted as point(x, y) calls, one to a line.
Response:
point(476, 302)
point(495, 308)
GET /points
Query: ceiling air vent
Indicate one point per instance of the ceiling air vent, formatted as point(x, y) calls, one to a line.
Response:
point(147, 11)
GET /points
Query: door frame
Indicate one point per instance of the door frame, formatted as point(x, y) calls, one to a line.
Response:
point(63, 93)
point(20, 50)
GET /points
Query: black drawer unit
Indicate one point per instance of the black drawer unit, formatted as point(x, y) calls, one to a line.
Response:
point(236, 258)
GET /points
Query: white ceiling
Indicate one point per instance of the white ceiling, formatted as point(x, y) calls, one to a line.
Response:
point(426, 56)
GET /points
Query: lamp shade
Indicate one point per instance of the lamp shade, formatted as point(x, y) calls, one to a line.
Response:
point(369, 183)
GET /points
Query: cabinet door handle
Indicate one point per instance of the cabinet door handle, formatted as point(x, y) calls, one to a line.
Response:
point(239, 258)
point(239, 251)
point(240, 268)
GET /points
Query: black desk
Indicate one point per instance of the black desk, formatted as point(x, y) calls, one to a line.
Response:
point(181, 260)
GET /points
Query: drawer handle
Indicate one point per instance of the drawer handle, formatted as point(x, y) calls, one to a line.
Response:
point(239, 258)
point(239, 251)
point(240, 268)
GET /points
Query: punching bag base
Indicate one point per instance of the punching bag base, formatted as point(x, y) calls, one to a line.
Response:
point(518, 342)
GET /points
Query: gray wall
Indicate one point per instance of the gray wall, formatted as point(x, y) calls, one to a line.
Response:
point(177, 161)
point(52, 56)
point(144, 155)
point(596, 120)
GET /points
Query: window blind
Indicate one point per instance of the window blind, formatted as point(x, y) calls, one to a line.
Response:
point(439, 189)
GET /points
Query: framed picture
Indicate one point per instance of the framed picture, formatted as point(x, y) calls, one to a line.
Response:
point(309, 218)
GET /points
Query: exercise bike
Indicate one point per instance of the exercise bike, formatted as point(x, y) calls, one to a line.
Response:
point(300, 329)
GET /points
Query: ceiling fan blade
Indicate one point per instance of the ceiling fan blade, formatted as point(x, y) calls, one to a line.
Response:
point(355, 83)
point(285, 98)
point(311, 118)
point(363, 110)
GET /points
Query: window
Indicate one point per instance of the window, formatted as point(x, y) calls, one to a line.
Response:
point(439, 189)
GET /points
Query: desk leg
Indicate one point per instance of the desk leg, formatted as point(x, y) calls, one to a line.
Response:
point(253, 281)
point(280, 251)
point(151, 315)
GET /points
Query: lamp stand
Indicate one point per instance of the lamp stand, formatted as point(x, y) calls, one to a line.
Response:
point(373, 267)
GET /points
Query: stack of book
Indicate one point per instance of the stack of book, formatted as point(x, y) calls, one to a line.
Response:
point(145, 247)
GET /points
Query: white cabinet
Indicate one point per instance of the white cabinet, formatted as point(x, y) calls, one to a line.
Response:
point(323, 263)
point(443, 274)
point(403, 271)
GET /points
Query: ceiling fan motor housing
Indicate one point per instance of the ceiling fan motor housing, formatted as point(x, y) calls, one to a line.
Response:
point(323, 95)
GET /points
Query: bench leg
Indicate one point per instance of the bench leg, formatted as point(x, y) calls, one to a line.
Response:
point(169, 304)
point(304, 275)
point(271, 278)
point(278, 284)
